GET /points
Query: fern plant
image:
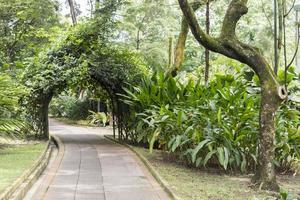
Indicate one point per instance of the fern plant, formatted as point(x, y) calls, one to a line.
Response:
point(99, 118)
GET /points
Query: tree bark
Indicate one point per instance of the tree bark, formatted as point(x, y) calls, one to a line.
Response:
point(207, 27)
point(181, 41)
point(42, 116)
point(280, 33)
point(180, 46)
point(138, 40)
point(265, 175)
point(272, 93)
point(72, 12)
point(170, 53)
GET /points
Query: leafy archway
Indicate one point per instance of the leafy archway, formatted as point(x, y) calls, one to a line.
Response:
point(83, 57)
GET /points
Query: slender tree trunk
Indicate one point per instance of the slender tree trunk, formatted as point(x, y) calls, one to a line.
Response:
point(207, 20)
point(138, 40)
point(275, 36)
point(170, 62)
point(180, 46)
point(72, 12)
point(91, 7)
point(280, 33)
point(113, 117)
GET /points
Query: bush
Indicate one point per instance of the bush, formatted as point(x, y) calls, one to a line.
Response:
point(215, 124)
point(70, 107)
point(11, 122)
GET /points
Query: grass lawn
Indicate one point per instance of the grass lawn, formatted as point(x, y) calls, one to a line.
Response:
point(16, 159)
point(193, 184)
point(73, 122)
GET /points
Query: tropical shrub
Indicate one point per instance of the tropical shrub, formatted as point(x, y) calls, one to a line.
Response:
point(215, 124)
point(97, 118)
point(11, 124)
point(70, 107)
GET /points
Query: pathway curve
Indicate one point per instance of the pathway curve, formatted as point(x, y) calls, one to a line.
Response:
point(90, 167)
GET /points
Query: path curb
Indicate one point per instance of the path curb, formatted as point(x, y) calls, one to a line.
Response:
point(163, 183)
point(18, 189)
point(54, 167)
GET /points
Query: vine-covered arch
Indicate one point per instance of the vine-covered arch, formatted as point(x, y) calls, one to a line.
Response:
point(82, 57)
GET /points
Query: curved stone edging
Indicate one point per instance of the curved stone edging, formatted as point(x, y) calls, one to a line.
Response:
point(154, 173)
point(54, 167)
point(18, 189)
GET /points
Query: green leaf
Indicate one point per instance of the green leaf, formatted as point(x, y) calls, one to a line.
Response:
point(198, 148)
point(176, 143)
point(219, 115)
point(153, 139)
point(226, 160)
point(208, 156)
point(221, 155)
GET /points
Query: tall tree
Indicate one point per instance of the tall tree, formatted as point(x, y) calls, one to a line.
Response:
point(24, 28)
point(272, 93)
point(146, 26)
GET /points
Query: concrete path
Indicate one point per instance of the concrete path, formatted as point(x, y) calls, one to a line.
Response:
point(90, 167)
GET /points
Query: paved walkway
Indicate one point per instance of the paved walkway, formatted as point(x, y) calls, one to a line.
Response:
point(90, 167)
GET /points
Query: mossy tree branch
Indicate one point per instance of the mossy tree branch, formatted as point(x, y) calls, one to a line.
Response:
point(181, 41)
point(227, 43)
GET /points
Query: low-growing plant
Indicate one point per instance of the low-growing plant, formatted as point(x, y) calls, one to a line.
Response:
point(97, 118)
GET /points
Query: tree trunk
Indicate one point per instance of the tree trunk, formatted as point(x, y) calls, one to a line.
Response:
point(280, 33)
point(138, 40)
point(265, 175)
point(180, 46)
point(207, 20)
point(72, 12)
point(43, 121)
point(272, 93)
point(170, 51)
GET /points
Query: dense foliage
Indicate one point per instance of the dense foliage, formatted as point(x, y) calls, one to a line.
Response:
point(11, 123)
point(69, 107)
point(214, 125)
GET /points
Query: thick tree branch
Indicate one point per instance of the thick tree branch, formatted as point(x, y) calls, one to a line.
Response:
point(227, 43)
point(213, 44)
point(181, 41)
point(236, 9)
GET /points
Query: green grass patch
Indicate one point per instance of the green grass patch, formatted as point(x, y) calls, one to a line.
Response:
point(73, 122)
point(15, 160)
point(195, 184)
